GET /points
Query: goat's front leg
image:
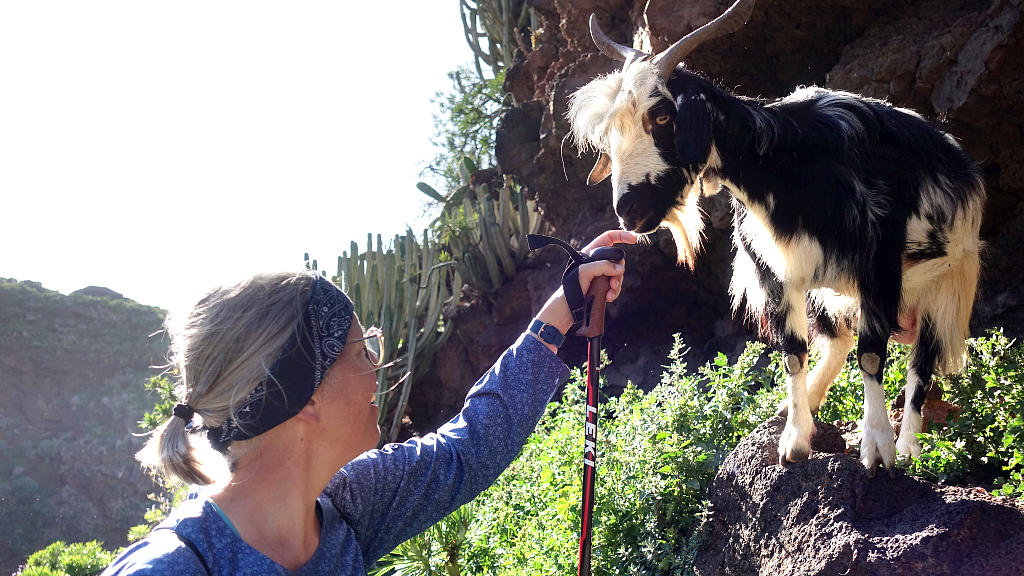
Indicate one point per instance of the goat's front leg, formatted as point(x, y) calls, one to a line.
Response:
point(878, 446)
point(790, 327)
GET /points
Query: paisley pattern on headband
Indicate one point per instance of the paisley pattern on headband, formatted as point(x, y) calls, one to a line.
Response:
point(315, 344)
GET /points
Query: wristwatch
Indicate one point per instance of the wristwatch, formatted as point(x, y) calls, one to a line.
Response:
point(547, 333)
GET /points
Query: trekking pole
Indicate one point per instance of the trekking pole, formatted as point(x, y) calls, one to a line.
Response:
point(589, 312)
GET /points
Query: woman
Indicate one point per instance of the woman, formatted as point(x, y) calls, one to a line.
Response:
point(278, 374)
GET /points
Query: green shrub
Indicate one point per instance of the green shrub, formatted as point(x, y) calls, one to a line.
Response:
point(983, 443)
point(435, 552)
point(75, 559)
point(657, 454)
point(466, 122)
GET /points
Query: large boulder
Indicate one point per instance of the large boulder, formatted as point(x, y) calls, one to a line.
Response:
point(829, 516)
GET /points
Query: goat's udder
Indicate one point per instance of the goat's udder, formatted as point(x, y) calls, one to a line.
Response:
point(907, 334)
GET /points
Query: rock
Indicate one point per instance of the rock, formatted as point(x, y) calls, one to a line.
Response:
point(826, 516)
point(517, 139)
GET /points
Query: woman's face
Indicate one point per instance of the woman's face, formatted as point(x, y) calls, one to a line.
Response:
point(348, 391)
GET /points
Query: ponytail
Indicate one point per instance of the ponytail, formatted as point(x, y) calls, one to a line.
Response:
point(171, 452)
point(220, 351)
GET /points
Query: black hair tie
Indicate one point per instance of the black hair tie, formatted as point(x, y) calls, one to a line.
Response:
point(184, 411)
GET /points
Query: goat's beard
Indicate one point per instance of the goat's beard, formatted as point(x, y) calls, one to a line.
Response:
point(685, 221)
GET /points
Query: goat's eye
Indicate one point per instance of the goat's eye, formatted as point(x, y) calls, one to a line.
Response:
point(663, 119)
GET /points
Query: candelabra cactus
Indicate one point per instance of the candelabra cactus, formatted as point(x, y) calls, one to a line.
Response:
point(401, 289)
point(484, 226)
point(492, 29)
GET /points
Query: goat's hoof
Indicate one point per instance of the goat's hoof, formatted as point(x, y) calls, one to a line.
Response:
point(908, 446)
point(794, 446)
point(878, 447)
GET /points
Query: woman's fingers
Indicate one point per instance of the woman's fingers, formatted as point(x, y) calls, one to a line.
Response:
point(611, 237)
point(613, 270)
point(616, 286)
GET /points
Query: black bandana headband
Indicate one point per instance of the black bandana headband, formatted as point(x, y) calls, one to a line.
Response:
point(315, 344)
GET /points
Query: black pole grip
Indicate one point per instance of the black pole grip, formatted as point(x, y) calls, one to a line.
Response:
point(581, 306)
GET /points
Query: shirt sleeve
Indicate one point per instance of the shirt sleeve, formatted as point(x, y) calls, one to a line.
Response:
point(389, 495)
point(160, 553)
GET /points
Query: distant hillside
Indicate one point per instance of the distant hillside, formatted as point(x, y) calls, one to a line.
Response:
point(72, 370)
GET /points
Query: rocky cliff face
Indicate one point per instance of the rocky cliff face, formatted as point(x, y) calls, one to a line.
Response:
point(954, 61)
point(71, 395)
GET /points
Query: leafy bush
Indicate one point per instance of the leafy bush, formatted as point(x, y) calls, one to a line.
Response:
point(983, 443)
point(62, 559)
point(435, 552)
point(658, 452)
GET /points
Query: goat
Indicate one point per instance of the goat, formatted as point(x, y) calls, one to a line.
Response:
point(849, 216)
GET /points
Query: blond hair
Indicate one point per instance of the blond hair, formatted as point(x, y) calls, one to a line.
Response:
point(220, 350)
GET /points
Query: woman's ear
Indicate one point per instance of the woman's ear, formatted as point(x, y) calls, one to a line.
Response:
point(693, 129)
point(311, 411)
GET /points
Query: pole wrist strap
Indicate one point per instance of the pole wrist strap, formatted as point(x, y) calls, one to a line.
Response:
point(571, 277)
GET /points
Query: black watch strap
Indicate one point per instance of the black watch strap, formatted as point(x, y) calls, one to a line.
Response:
point(547, 333)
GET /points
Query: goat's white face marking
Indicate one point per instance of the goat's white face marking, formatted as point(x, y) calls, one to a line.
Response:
point(611, 114)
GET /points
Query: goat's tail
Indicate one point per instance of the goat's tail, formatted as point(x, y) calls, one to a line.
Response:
point(951, 313)
point(949, 299)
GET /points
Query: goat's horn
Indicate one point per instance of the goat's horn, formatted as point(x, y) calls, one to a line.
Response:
point(730, 21)
point(609, 47)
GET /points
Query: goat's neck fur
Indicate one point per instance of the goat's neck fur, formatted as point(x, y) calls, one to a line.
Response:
point(741, 128)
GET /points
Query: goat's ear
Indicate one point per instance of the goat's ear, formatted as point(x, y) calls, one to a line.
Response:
point(602, 168)
point(693, 129)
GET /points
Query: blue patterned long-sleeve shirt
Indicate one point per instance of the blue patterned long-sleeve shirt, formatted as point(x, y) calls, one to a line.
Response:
point(383, 497)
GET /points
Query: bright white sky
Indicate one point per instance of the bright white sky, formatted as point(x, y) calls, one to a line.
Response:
point(160, 148)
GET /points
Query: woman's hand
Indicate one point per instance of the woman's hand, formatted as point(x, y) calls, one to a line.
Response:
point(556, 310)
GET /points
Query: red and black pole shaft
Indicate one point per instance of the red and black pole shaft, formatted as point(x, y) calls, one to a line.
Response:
point(588, 311)
point(592, 329)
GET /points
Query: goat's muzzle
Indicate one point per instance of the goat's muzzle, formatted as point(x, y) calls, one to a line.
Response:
point(638, 208)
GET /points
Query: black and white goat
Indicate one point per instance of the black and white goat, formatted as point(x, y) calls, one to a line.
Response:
point(850, 216)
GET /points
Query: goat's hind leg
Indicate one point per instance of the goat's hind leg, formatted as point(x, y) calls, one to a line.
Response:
point(919, 380)
point(833, 337)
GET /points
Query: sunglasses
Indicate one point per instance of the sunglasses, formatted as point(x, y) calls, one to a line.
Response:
point(374, 342)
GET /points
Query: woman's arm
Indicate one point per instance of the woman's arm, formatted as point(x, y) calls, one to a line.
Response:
point(390, 495)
